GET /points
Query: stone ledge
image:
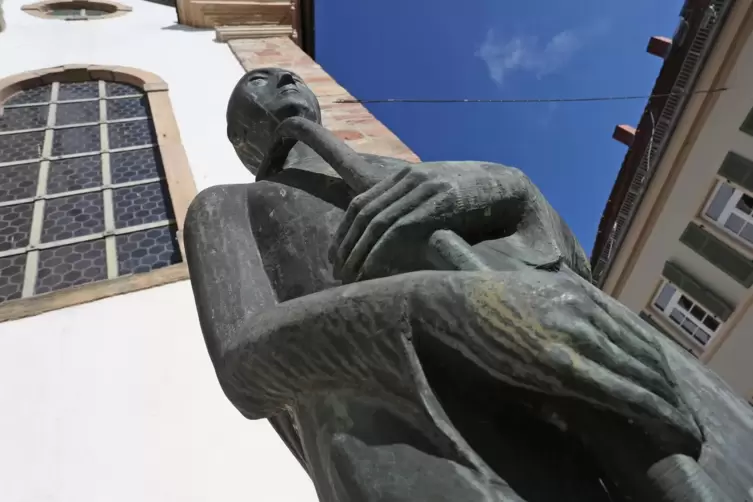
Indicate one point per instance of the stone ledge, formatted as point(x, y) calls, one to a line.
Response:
point(227, 33)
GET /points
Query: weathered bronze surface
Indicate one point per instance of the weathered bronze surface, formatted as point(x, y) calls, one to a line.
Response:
point(428, 332)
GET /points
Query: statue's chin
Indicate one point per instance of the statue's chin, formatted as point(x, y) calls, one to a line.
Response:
point(295, 105)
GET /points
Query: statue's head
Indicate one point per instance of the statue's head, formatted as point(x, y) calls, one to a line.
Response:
point(260, 101)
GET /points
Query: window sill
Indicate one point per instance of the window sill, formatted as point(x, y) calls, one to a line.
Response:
point(35, 305)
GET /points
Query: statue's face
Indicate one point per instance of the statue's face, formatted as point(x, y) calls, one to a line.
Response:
point(260, 101)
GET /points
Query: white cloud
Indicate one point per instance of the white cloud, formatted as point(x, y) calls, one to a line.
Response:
point(506, 56)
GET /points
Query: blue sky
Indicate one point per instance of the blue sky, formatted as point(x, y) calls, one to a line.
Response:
point(498, 49)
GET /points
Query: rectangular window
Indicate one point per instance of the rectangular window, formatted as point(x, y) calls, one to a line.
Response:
point(690, 317)
point(731, 209)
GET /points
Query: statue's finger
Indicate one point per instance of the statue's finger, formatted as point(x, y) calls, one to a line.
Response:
point(380, 224)
point(622, 315)
point(627, 340)
point(354, 209)
point(597, 346)
point(602, 387)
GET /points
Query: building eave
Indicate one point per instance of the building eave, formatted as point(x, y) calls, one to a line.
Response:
point(259, 19)
point(660, 116)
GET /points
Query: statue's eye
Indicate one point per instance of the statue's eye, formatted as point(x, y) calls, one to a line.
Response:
point(257, 80)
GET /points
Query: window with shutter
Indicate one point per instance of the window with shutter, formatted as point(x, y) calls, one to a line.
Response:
point(718, 253)
point(692, 319)
point(731, 209)
point(738, 169)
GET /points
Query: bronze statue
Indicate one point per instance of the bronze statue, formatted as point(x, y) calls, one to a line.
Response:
point(428, 332)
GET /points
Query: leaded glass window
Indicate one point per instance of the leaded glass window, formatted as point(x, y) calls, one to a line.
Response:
point(83, 196)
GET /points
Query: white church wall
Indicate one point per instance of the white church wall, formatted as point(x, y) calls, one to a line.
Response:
point(116, 400)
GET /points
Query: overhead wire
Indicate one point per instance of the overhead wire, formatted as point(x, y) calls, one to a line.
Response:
point(587, 99)
point(535, 100)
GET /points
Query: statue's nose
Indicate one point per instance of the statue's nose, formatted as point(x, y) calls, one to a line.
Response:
point(285, 79)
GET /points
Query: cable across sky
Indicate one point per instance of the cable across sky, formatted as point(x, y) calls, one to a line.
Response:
point(535, 100)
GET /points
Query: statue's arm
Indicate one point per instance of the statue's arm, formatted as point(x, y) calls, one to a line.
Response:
point(527, 331)
point(545, 332)
point(485, 203)
point(543, 223)
point(349, 337)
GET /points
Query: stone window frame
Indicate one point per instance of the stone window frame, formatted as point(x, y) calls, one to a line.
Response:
point(178, 177)
point(44, 9)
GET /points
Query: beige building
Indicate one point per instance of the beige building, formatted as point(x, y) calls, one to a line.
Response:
point(675, 242)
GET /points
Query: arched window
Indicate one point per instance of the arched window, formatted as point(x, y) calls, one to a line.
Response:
point(85, 200)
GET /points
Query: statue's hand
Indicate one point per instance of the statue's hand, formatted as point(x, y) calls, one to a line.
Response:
point(385, 227)
point(558, 335)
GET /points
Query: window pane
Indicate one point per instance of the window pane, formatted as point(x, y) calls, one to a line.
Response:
point(26, 117)
point(35, 95)
point(24, 146)
point(75, 140)
point(136, 133)
point(18, 182)
point(127, 108)
point(135, 165)
point(689, 326)
point(77, 113)
point(677, 316)
point(147, 250)
point(68, 266)
point(685, 303)
point(141, 204)
point(702, 337)
point(75, 173)
point(747, 233)
point(15, 225)
point(720, 200)
point(734, 223)
point(118, 89)
point(745, 204)
point(12, 277)
point(666, 293)
point(711, 323)
point(78, 90)
point(73, 216)
point(698, 312)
